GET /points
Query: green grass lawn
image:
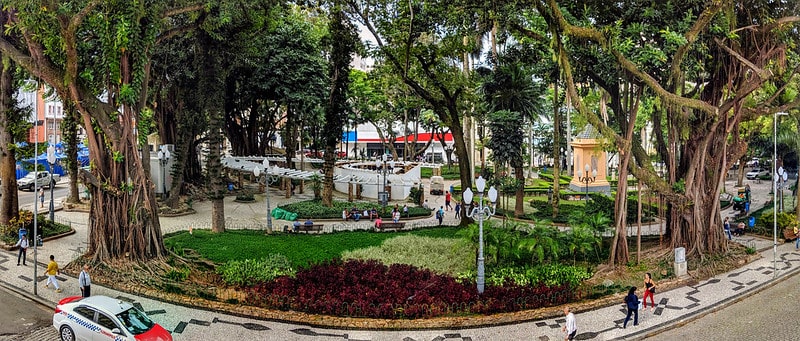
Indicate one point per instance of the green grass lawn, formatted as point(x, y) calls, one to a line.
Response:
point(301, 249)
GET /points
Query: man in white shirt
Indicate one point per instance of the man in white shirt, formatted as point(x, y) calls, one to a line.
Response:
point(570, 327)
point(23, 248)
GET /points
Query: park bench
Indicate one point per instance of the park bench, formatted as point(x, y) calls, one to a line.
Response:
point(310, 228)
point(391, 225)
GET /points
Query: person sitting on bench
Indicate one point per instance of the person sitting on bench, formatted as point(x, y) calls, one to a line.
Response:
point(295, 225)
point(378, 222)
point(355, 214)
point(309, 223)
point(739, 231)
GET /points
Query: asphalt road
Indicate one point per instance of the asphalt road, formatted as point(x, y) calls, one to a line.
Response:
point(22, 319)
point(768, 315)
point(28, 197)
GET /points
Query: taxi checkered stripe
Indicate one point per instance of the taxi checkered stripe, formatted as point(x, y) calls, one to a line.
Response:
point(83, 323)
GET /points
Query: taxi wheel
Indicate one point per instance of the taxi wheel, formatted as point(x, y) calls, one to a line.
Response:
point(67, 334)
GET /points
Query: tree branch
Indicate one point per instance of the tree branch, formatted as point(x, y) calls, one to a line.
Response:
point(625, 63)
point(180, 10)
point(76, 21)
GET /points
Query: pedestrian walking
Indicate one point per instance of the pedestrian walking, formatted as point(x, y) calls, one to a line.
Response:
point(726, 225)
point(796, 238)
point(440, 214)
point(649, 290)
point(41, 196)
point(85, 281)
point(51, 272)
point(22, 243)
point(458, 210)
point(405, 211)
point(632, 303)
point(447, 197)
point(570, 326)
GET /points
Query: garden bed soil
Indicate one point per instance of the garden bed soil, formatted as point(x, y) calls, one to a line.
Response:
point(204, 289)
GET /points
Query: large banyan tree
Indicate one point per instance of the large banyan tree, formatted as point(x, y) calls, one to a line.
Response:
point(724, 62)
point(95, 54)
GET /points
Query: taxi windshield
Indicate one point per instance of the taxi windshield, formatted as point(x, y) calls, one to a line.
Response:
point(135, 321)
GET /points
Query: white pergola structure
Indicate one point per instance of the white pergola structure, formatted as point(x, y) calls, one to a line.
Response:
point(345, 174)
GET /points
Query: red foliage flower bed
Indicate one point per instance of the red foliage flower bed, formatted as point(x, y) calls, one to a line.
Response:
point(371, 289)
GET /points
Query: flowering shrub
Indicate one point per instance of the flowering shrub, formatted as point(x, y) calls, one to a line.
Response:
point(371, 289)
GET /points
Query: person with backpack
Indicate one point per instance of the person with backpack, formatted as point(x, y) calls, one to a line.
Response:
point(632, 303)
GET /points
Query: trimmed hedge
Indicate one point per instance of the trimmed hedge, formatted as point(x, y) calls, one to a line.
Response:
point(316, 210)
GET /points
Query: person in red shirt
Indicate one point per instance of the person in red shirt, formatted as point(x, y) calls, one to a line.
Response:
point(447, 197)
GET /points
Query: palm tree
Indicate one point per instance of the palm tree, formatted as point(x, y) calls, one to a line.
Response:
point(541, 241)
point(510, 88)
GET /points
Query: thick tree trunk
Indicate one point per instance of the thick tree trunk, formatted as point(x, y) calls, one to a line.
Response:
point(619, 246)
point(695, 223)
point(9, 205)
point(70, 128)
point(124, 221)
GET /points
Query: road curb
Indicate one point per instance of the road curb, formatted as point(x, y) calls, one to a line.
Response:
point(20, 292)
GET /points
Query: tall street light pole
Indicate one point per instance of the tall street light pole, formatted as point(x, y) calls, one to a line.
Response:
point(267, 182)
point(775, 193)
point(480, 213)
point(35, 205)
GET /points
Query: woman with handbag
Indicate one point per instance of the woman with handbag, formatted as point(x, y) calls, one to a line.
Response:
point(649, 290)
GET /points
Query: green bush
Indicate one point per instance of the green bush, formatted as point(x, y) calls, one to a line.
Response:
point(785, 220)
point(250, 271)
point(315, 210)
point(600, 203)
point(245, 196)
point(440, 255)
point(46, 228)
point(548, 274)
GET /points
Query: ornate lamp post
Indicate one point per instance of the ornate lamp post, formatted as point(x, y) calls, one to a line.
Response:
point(780, 177)
point(587, 179)
point(775, 193)
point(481, 212)
point(163, 160)
point(448, 150)
point(383, 196)
point(268, 180)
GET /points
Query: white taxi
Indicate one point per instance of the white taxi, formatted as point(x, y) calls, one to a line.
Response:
point(104, 318)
